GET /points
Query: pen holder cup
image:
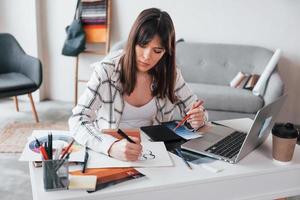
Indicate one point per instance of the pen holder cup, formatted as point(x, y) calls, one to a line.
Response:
point(56, 174)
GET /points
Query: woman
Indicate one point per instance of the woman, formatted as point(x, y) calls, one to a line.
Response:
point(136, 87)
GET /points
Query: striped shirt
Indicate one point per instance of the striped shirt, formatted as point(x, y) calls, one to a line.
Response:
point(101, 105)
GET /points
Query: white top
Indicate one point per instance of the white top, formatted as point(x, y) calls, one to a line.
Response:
point(135, 117)
point(101, 105)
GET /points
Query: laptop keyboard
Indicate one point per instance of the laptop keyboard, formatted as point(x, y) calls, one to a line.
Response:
point(228, 146)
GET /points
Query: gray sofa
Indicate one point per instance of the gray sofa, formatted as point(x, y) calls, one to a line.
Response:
point(208, 69)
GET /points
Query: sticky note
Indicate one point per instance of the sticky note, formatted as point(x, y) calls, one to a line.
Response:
point(83, 182)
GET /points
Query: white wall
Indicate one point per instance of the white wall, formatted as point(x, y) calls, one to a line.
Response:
point(267, 23)
point(19, 18)
point(21, 22)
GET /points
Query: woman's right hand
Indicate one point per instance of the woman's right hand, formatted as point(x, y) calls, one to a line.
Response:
point(124, 150)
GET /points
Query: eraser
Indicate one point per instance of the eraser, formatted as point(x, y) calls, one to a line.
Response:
point(212, 168)
point(37, 163)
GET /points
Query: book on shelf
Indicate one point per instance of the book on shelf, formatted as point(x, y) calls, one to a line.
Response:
point(94, 17)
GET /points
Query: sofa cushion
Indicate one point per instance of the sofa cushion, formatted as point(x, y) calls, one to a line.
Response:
point(218, 97)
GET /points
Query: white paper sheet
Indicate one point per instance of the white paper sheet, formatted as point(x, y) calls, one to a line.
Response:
point(154, 155)
point(31, 153)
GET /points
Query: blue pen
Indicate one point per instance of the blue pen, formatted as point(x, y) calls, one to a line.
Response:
point(178, 151)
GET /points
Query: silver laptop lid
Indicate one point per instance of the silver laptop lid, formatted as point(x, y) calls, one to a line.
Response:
point(259, 131)
point(261, 127)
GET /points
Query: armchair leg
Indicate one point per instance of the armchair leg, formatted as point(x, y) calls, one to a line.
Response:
point(33, 108)
point(16, 103)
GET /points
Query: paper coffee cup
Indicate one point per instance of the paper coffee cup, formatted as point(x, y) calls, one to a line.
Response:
point(284, 141)
point(283, 149)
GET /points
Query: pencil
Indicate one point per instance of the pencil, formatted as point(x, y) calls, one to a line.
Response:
point(184, 160)
point(50, 151)
point(67, 149)
point(62, 161)
point(86, 157)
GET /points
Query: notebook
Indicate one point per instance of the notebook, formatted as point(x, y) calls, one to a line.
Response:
point(231, 145)
point(106, 177)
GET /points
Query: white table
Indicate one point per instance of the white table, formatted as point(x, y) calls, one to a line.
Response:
point(256, 176)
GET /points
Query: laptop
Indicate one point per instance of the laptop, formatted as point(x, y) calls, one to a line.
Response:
point(225, 143)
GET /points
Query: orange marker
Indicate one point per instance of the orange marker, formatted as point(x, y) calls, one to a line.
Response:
point(42, 149)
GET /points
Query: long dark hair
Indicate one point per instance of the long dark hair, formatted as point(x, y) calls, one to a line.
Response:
point(149, 23)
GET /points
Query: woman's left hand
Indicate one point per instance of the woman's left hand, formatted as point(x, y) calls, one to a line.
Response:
point(197, 117)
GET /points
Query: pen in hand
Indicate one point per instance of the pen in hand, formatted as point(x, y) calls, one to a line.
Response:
point(199, 103)
point(178, 151)
point(120, 132)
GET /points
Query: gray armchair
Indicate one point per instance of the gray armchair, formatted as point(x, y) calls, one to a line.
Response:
point(19, 73)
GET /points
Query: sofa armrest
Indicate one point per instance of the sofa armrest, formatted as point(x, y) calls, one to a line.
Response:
point(274, 88)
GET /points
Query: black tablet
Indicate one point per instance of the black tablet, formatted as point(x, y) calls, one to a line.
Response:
point(161, 133)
